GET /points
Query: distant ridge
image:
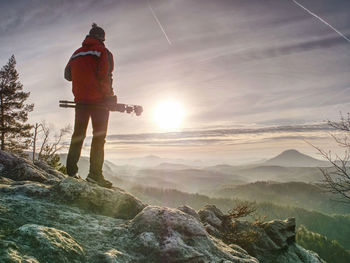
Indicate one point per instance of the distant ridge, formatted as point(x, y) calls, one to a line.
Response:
point(172, 166)
point(294, 158)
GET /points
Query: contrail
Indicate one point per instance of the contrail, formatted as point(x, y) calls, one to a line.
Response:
point(323, 21)
point(158, 22)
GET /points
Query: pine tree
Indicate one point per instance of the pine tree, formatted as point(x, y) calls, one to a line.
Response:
point(15, 133)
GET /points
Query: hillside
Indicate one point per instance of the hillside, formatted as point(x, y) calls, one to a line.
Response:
point(297, 194)
point(264, 172)
point(281, 174)
point(206, 180)
point(172, 166)
point(293, 158)
point(189, 180)
point(46, 217)
point(335, 227)
point(329, 250)
point(165, 175)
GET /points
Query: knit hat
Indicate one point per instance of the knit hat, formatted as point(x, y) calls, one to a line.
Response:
point(97, 32)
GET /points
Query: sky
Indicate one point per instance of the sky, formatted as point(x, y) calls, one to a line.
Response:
point(254, 77)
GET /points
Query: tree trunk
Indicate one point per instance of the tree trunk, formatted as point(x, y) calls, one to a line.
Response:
point(2, 120)
point(34, 140)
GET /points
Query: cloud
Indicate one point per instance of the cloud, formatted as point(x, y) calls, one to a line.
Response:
point(230, 61)
point(228, 136)
point(283, 50)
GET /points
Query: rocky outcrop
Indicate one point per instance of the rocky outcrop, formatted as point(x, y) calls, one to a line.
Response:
point(272, 241)
point(21, 176)
point(212, 219)
point(190, 211)
point(156, 234)
point(110, 202)
point(169, 235)
point(48, 244)
point(47, 217)
point(21, 169)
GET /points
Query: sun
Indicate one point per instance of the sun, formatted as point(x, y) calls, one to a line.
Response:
point(169, 115)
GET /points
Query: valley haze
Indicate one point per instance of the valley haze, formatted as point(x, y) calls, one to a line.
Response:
point(202, 177)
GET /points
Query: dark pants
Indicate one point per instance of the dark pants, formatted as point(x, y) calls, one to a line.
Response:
point(99, 119)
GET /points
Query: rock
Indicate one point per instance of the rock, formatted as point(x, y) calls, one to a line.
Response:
point(39, 183)
point(9, 252)
point(35, 243)
point(27, 188)
point(277, 242)
point(211, 215)
point(295, 253)
point(157, 234)
point(95, 233)
point(213, 220)
point(159, 219)
point(49, 170)
point(4, 180)
point(282, 233)
point(111, 256)
point(238, 249)
point(212, 230)
point(274, 236)
point(21, 169)
point(46, 217)
point(190, 211)
point(272, 241)
point(110, 202)
point(169, 235)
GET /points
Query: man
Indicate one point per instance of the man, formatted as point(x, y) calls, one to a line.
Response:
point(90, 70)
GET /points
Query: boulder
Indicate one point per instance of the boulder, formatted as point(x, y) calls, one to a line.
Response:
point(9, 252)
point(36, 243)
point(295, 253)
point(272, 237)
point(170, 235)
point(281, 232)
point(20, 169)
point(272, 241)
point(110, 202)
point(190, 211)
point(49, 169)
point(211, 215)
point(27, 188)
point(213, 220)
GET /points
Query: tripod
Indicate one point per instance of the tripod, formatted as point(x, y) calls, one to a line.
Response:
point(111, 105)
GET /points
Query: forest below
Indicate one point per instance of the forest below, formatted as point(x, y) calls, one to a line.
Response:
point(325, 233)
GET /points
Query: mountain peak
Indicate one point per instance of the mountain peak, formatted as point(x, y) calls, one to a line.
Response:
point(294, 158)
point(291, 151)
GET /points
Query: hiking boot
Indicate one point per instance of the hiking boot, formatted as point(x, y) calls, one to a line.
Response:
point(76, 176)
point(90, 180)
point(99, 181)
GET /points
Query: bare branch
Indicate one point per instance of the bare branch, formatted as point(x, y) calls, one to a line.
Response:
point(50, 145)
point(337, 177)
point(242, 209)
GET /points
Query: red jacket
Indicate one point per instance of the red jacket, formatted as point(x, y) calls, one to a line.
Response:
point(90, 69)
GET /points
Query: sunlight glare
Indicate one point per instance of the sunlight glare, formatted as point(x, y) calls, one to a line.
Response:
point(169, 115)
